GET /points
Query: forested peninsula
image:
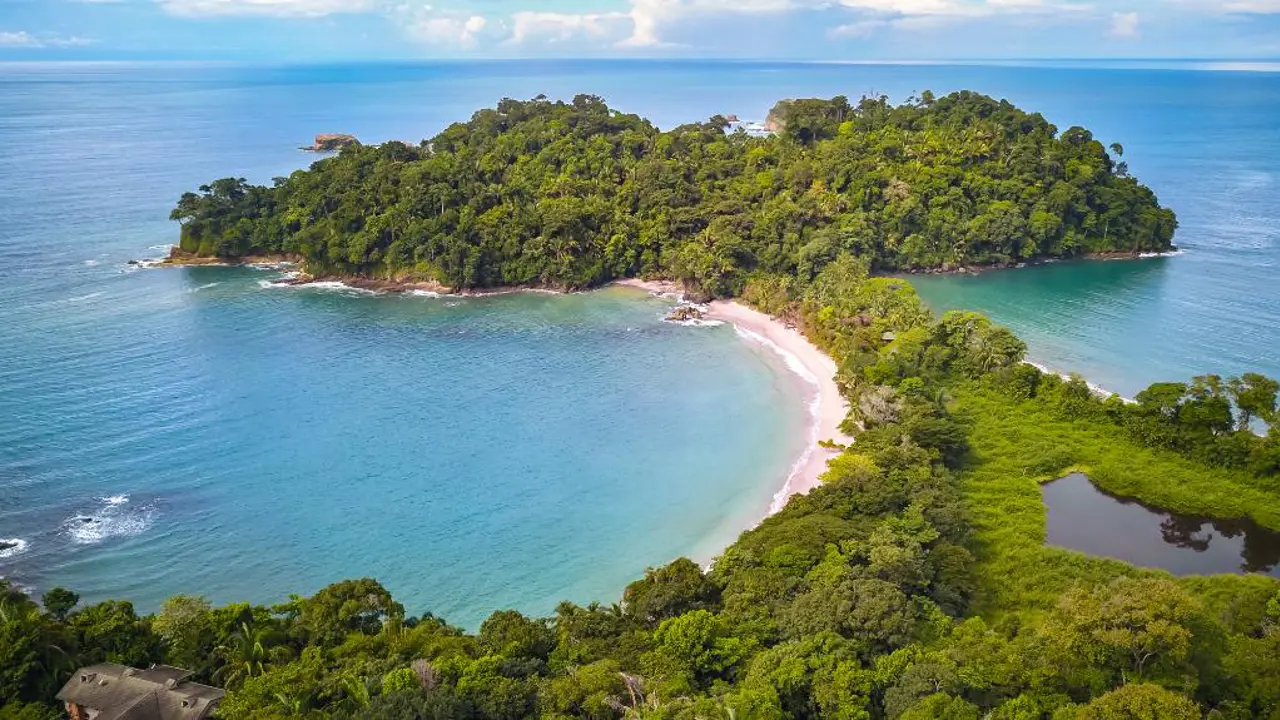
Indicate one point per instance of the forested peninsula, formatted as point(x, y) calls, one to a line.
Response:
point(573, 195)
point(914, 583)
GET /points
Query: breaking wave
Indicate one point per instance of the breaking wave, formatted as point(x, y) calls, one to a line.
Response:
point(9, 547)
point(114, 517)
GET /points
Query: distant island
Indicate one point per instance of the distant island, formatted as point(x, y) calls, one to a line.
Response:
point(575, 194)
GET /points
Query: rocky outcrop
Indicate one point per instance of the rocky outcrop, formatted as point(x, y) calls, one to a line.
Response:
point(684, 313)
point(328, 142)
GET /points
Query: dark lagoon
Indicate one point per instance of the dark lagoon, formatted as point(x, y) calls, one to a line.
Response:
point(1083, 517)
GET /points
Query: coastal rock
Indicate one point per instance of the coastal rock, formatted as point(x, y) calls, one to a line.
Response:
point(684, 313)
point(328, 142)
point(7, 545)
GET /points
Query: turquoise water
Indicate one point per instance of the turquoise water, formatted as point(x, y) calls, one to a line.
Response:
point(248, 442)
point(1209, 144)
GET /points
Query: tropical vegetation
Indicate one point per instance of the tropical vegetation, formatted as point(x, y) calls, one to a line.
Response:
point(576, 194)
point(914, 583)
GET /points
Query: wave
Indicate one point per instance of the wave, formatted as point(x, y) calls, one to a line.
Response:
point(691, 322)
point(10, 547)
point(78, 298)
point(144, 264)
point(115, 517)
point(91, 263)
point(427, 294)
point(1093, 387)
point(694, 322)
point(330, 285)
point(788, 488)
point(206, 286)
point(1172, 253)
point(795, 365)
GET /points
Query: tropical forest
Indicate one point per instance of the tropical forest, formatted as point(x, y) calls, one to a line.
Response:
point(914, 583)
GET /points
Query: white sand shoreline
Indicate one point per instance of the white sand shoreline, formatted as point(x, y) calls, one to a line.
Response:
point(827, 407)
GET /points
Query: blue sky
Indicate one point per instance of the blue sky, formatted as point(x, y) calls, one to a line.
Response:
point(301, 30)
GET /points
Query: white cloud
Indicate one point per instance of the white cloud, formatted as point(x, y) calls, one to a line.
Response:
point(20, 39)
point(553, 27)
point(919, 15)
point(1256, 7)
point(965, 8)
point(277, 8)
point(24, 39)
point(1124, 24)
point(462, 31)
point(859, 29)
point(648, 16)
point(1253, 6)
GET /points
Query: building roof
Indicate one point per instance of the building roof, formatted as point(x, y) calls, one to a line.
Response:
point(160, 692)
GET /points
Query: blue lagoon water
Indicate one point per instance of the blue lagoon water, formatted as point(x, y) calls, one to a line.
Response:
point(247, 442)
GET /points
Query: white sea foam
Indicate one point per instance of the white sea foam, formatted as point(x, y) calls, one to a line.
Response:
point(795, 365)
point(1093, 387)
point(144, 264)
point(13, 547)
point(91, 263)
point(1171, 253)
point(691, 322)
point(425, 293)
point(329, 285)
point(77, 298)
point(115, 517)
point(166, 248)
point(206, 286)
point(695, 322)
point(788, 488)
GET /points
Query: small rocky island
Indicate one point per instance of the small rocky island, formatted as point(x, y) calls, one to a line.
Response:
point(328, 142)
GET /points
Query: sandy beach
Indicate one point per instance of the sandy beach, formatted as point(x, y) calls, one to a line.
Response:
point(826, 405)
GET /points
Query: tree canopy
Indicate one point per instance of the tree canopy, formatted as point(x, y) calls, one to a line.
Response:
point(574, 194)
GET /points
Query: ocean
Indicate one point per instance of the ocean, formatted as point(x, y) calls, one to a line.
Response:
point(195, 430)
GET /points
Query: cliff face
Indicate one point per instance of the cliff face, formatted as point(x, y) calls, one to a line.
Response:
point(326, 142)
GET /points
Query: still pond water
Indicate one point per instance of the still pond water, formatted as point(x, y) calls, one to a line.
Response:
point(1083, 517)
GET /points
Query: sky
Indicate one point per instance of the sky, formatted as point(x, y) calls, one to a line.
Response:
point(342, 30)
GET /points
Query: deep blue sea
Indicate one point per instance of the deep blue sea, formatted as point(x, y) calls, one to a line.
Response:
point(247, 442)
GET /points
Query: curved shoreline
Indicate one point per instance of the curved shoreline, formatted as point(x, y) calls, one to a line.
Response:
point(827, 407)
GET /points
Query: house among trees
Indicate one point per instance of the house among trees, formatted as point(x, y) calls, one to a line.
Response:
point(108, 691)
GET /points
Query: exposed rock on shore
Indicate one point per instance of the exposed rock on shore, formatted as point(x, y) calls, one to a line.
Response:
point(328, 142)
point(684, 313)
point(178, 257)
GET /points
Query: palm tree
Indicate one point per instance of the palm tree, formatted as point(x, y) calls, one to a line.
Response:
point(54, 663)
point(243, 656)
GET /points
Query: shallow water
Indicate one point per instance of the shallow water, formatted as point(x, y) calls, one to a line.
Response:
point(1083, 517)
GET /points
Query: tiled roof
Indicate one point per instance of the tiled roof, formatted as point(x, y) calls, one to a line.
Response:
point(160, 692)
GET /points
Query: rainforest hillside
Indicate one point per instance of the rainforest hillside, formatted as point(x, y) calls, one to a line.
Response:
point(576, 194)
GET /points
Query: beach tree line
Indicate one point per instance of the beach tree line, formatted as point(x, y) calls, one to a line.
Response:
point(574, 194)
